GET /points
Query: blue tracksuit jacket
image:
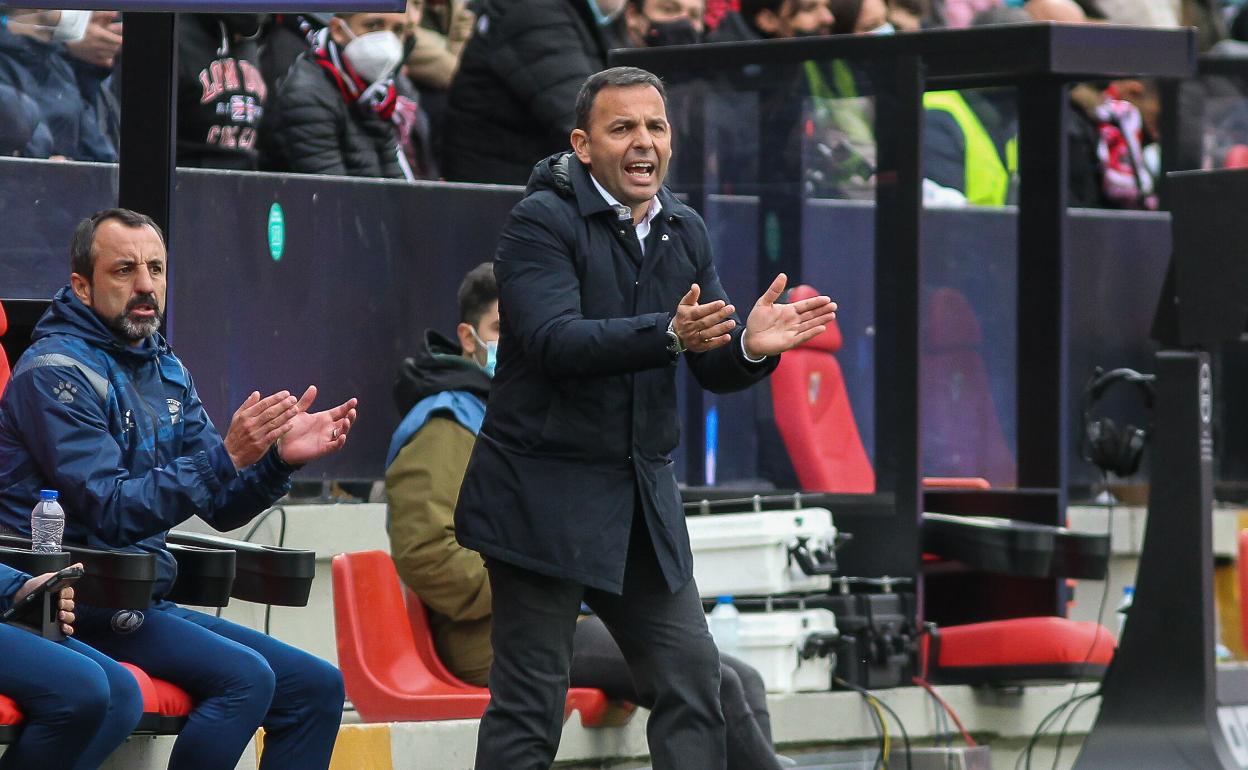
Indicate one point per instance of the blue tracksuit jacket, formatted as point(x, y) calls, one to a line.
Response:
point(120, 432)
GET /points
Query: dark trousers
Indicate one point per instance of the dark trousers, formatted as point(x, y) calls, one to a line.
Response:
point(240, 679)
point(597, 662)
point(78, 704)
point(662, 635)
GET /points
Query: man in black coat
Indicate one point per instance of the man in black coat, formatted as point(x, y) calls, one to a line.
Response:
point(605, 279)
point(510, 103)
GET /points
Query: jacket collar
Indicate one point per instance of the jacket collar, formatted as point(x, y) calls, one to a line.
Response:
point(589, 202)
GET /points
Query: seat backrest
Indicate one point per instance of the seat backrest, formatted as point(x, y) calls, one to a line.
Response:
point(377, 655)
point(422, 634)
point(962, 433)
point(4, 358)
point(813, 415)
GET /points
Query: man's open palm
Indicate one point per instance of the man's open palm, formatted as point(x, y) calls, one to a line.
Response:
point(773, 327)
point(316, 434)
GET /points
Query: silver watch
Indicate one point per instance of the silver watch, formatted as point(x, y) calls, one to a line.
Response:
point(674, 345)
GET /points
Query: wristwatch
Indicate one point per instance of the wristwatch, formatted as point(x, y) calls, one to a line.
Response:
point(674, 345)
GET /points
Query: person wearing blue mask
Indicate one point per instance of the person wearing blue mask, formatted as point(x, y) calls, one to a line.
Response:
point(441, 393)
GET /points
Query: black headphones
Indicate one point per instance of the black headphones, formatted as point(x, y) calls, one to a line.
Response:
point(1105, 445)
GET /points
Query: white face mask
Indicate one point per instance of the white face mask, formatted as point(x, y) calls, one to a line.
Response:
point(886, 28)
point(71, 26)
point(374, 56)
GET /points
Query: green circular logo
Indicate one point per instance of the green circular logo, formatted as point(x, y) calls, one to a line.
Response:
point(277, 231)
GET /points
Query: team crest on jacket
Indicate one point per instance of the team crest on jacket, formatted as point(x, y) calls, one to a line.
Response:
point(65, 392)
point(175, 409)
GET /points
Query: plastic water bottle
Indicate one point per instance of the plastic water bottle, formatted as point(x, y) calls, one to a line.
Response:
point(47, 523)
point(1124, 606)
point(725, 625)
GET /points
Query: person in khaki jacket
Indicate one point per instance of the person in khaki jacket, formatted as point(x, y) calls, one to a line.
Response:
point(442, 392)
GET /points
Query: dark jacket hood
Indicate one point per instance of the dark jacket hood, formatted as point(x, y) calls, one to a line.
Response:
point(437, 368)
point(68, 315)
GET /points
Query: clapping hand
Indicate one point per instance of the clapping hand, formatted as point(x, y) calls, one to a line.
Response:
point(774, 327)
point(316, 434)
point(702, 327)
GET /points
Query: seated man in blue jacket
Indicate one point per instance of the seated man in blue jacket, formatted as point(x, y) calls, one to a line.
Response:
point(101, 409)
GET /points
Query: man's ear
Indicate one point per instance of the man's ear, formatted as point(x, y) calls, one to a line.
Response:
point(767, 21)
point(580, 145)
point(81, 288)
point(338, 31)
point(466, 340)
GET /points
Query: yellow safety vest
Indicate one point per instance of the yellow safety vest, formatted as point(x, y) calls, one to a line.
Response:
point(987, 178)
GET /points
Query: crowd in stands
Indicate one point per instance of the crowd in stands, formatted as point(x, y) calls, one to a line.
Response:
point(479, 90)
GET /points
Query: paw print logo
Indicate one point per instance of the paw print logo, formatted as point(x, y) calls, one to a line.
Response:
point(65, 392)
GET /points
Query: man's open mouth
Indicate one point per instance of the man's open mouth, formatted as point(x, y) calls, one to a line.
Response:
point(640, 170)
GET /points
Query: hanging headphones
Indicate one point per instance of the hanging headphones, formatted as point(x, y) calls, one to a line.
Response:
point(1105, 445)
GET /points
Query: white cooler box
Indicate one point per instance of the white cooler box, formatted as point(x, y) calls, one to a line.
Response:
point(794, 650)
point(761, 554)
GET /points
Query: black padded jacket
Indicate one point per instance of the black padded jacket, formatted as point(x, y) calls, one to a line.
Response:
point(309, 128)
point(512, 102)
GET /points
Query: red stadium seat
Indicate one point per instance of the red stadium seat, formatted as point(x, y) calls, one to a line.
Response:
point(4, 358)
point(1017, 650)
point(1242, 566)
point(10, 718)
point(165, 705)
point(813, 415)
point(962, 434)
point(397, 676)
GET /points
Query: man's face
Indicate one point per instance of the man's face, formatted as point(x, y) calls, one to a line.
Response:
point(628, 144)
point(874, 14)
point(344, 29)
point(127, 286)
point(662, 11)
point(486, 330)
point(797, 18)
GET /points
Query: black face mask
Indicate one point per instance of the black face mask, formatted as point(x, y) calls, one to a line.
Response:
point(810, 33)
point(678, 32)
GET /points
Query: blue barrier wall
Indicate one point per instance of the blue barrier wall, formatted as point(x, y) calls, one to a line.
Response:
point(367, 264)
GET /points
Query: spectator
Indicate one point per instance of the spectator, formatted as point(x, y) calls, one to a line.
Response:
point(1060, 11)
point(510, 104)
point(909, 15)
point(959, 13)
point(334, 112)
point(100, 409)
point(442, 392)
point(663, 22)
point(78, 704)
point(441, 37)
point(221, 93)
point(67, 82)
point(762, 19)
point(861, 17)
point(22, 130)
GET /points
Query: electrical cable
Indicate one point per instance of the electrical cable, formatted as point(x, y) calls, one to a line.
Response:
point(881, 730)
point(1052, 716)
point(280, 510)
point(905, 735)
point(1100, 614)
point(921, 682)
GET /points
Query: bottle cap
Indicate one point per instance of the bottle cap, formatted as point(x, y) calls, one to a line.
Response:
point(725, 599)
point(48, 494)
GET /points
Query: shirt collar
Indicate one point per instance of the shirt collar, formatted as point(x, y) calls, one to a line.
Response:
point(655, 205)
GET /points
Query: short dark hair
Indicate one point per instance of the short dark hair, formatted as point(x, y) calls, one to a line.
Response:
point(616, 77)
point(82, 244)
point(477, 292)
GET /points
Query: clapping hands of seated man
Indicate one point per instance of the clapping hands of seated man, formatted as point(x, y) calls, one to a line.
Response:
point(301, 436)
point(66, 611)
point(771, 328)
